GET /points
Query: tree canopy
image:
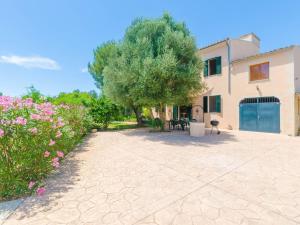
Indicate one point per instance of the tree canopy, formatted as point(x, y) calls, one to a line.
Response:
point(75, 98)
point(154, 65)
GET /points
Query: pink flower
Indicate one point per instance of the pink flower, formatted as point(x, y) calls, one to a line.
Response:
point(1, 132)
point(60, 154)
point(31, 184)
point(33, 130)
point(58, 134)
point(20, 120)
point(40, 191)
point(48, 112)
point(35, 116)
point(46, 154)
point(55, 162)
point(51, 142)
point(60, 124)
point(28, 102)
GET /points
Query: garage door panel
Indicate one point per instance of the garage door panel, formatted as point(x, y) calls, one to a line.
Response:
point(260, 114)
point(248, 117)
point(268, 117)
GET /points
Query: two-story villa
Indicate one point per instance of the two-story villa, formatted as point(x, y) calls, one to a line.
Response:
point(246, 89)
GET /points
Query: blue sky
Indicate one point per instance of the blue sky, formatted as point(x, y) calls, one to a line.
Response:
point(49, 43)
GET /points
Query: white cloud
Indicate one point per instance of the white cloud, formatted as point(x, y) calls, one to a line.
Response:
point(84, 70)
point(31, 62)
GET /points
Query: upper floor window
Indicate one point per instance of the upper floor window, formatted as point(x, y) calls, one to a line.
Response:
point(213, 66)
point(259, 71)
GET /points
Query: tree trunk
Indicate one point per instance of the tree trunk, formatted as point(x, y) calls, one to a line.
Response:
point(162, 116)
point(138, 116)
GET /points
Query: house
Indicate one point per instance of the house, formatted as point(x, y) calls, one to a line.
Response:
point(246, 89)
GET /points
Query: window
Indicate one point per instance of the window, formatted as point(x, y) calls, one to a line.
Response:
point(212, 66)
point(212, 103)
point(259, 71)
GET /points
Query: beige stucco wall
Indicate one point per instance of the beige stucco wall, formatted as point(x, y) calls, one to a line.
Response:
point(297, 68)
point(297, 87)
point(241, 49)
point(216, 85)
point(280, 84)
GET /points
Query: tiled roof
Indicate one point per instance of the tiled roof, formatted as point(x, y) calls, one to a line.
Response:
point(264, 54)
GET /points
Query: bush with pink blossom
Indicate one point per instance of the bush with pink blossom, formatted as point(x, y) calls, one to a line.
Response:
point(34, 139)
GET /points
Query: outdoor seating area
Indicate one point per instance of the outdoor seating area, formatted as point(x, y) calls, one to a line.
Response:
point(181, 124)
point(193, 127)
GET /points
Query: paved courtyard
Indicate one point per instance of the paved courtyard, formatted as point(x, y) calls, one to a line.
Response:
point(142, 178)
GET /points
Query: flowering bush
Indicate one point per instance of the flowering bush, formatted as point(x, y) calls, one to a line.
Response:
point(34, 138)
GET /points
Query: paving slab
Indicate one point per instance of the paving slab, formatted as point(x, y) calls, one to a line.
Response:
point(7, 208)
point(137, 177)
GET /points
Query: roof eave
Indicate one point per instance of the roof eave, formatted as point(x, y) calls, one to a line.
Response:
point(213, 44)
point(264, 54)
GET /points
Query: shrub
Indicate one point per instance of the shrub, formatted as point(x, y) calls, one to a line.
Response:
point(103, 112)
point(147, 114)
point(33, 140)
point(157, 123)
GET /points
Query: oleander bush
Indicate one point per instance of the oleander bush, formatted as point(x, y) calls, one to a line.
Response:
point(34, 138)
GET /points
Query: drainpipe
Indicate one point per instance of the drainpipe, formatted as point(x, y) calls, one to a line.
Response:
point(229, 65)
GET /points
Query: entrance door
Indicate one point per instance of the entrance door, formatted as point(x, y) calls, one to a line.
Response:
point(186, 112)
point(260, 114)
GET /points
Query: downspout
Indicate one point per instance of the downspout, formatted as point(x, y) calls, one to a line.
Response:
point(229, 65)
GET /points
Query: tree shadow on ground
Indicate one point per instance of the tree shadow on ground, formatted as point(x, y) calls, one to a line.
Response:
point(182, 138)
point(57, 184)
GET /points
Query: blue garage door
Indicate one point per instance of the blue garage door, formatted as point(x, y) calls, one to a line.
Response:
point(260, 114)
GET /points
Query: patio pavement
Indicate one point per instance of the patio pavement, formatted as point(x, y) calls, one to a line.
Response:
point(142, 178)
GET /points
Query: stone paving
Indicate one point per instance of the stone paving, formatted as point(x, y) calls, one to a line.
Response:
point(142, 178)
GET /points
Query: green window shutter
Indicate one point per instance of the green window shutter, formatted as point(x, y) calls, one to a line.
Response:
point(205, 104)
point(218, 103)
point(175, 112)
point(218, 65)
point(206, 68)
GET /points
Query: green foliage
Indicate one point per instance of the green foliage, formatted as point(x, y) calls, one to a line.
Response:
point(160, 55)
point(147, 114)
point(102, 56)
point(103, 112)
point(75, 98)
point(34, 94)
point(111, 80)
point(157, 123)
point(154, 65)
point(26, 131)
point(119, 125)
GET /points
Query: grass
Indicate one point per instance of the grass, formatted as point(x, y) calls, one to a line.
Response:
point(122, 125)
